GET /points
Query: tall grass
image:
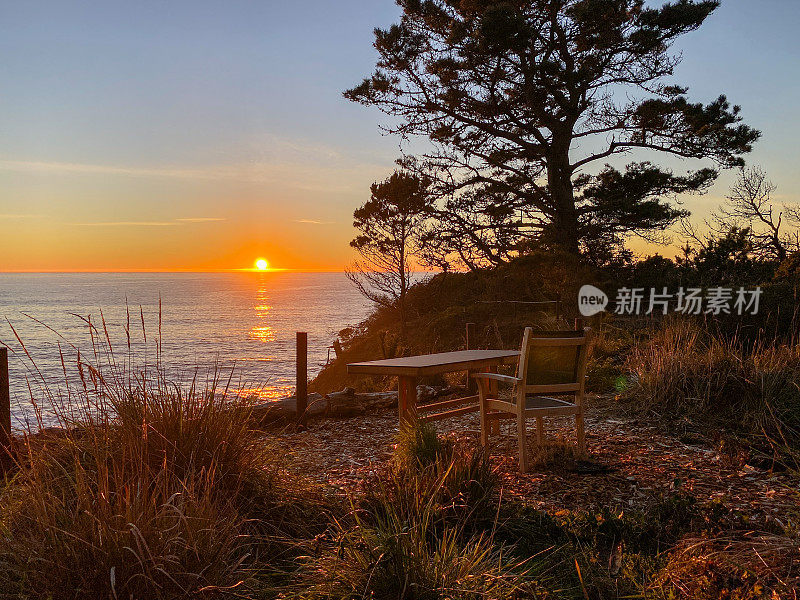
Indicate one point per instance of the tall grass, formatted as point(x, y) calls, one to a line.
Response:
point(684, 370)
point(148, 490)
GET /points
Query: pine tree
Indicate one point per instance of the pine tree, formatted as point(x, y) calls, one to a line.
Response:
point(524, 101)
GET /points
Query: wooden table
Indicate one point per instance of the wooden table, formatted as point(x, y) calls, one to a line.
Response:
point(408, 369)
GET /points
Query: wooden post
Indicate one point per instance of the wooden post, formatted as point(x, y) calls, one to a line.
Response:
point(302, 376)
point(472, 385)
point(471, 340)
point(5, 402)
point(558, 307)
point(579, 323)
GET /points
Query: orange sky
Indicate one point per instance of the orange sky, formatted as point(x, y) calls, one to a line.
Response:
point(203, 137)
point(198, 219)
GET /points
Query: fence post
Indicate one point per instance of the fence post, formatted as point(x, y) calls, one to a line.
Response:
point(471, 341)
point(302, 376)
point(5, 401)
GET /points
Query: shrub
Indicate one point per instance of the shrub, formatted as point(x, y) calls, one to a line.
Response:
point(458, 480)
point(420, 535)
point(422, 529)
point(393, 557)
point(643, 532)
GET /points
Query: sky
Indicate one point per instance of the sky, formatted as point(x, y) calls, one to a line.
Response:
point(202, 135)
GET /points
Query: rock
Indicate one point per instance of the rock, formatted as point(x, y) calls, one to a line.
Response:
point(425, 393)
point(348, 403)
point(285, 409)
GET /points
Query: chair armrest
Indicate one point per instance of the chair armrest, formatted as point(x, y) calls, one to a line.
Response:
point(497, 377)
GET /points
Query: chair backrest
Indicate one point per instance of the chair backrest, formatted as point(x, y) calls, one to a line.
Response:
point(553, 362)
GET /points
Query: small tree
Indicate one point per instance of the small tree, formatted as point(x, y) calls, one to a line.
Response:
point(390, 224)
point(749, 207)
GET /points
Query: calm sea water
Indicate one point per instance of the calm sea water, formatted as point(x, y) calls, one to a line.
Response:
point(241, 322)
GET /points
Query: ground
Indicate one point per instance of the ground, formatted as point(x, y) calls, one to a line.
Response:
point(638, 461)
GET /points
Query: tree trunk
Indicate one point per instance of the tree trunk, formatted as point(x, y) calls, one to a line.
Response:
point(565, 214)
point(780, 250)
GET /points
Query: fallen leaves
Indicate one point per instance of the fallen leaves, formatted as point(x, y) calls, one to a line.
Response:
point(642, 462)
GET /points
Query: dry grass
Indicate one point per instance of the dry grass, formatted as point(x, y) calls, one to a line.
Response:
point(684, 371)
point(149, 490)
point(152, 490)
point(422, 529)
point(739, 566)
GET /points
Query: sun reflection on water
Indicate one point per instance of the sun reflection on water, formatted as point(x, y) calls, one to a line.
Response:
point(273, 392)
point(262, 331)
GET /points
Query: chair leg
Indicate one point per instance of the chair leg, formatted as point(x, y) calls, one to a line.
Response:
point(523, 446)
point(581, 433)
point(494, 424)
point(539, 431)
point(484, 423)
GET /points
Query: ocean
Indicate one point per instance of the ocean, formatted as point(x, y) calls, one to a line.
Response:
point(242, 323)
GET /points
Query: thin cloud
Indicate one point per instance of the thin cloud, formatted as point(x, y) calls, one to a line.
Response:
point(17, 216)
point(313, 222)
point(172, 223)
point(200, 219)
point(128, 224)
point(316, 175)
point(90, 169)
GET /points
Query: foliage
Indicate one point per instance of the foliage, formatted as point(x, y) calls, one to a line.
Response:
point(421, 530)
point(396, 558)
point(506, 92)
point(418, 445)
point(728, 260)
point(172, 495)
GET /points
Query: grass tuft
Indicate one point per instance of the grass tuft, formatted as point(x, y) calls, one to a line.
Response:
point(418, 445)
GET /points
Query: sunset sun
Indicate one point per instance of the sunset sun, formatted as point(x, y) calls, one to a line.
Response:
point(262, 265)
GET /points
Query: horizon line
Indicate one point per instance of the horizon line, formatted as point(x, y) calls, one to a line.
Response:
point(201, 271)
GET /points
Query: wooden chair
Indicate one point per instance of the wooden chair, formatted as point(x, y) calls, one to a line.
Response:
point(549, 382)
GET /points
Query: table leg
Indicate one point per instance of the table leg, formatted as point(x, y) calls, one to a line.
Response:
point(472, 385)
point(406, 397)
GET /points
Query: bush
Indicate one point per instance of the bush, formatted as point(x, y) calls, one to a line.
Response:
point(459, 481)
point(418, 445)
point(394, 555)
